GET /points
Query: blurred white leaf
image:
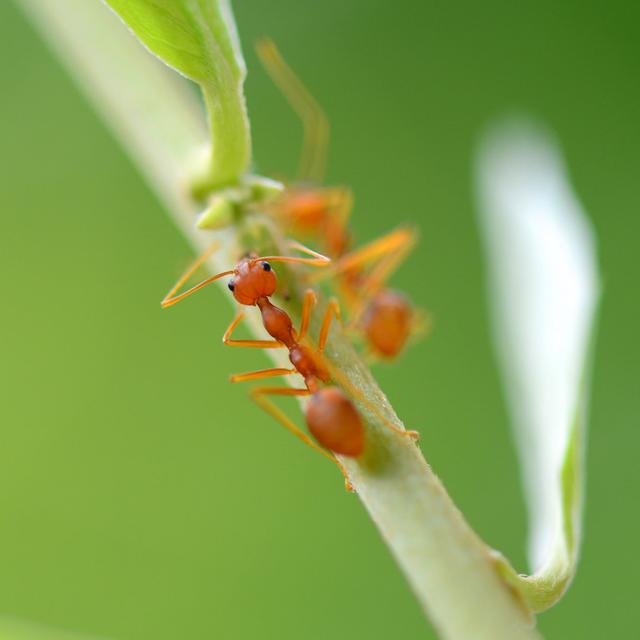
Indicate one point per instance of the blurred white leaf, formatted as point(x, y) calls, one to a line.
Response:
point(543, 287)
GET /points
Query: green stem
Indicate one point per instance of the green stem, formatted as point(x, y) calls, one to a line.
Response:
point(452, 572)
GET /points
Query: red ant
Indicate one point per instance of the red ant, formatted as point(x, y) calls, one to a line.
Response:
point(331, 416)
point(385, 317)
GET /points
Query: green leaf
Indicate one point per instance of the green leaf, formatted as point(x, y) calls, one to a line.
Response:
point(198, 38)
point(544, 290)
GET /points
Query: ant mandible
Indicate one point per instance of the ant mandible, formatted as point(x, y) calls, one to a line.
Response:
point(384, 316)
point(331, 416)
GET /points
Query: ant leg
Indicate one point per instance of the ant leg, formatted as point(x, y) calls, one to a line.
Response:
point(316, 259)
point(378, 276)
point(258, 395)
point(259, 375)
point(310, 300)
point(170, 299)
point(371, 284)
point(400, 241)
point(313, 159)
point(342, 379)
point(333, 309)
point(259, 344)
point(380, 248)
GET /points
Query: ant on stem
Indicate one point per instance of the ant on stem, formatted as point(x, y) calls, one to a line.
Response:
point(385, 317)
point(331, 416)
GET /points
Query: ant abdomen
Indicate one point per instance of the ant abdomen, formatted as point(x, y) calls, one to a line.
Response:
point(335, 423)
point(388, 323)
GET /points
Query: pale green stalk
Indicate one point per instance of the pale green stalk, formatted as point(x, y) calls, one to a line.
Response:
point(455, 576)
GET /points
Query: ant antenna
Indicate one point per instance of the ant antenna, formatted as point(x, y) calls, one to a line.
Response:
point(316, 259)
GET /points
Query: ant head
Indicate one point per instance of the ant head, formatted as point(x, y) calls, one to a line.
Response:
point(305, 208)
point(252, 279)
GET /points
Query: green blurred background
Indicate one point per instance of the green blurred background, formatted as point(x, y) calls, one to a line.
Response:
point(141, 495)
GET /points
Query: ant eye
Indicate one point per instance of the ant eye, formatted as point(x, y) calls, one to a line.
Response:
point(266, 266)
point(231, 285)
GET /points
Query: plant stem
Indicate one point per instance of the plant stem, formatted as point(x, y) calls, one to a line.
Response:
point(452, 572)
